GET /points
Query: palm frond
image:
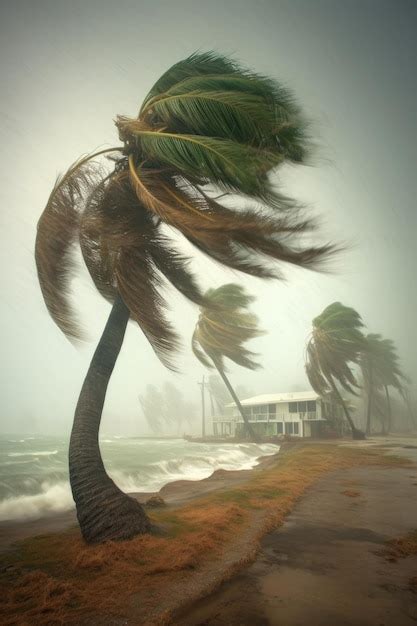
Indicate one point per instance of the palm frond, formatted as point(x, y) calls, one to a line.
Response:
point(239, 239)
point(223, 327)
point(197, 64)
point(231, 165)
point(336, 341)
point(222, 114)
point(140, 287)
point(56, 235)
point(211, 72)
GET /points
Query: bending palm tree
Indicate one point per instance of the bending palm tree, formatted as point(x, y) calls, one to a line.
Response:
point(380, 369)
point(336, 341)
point(223, 326)
point(205, 121)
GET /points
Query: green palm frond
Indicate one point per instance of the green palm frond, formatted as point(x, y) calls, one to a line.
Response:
point(224, 326)
point(231, 165)
point(197, 64)
point(337, 340)
point(228, 114)
point(284, 127)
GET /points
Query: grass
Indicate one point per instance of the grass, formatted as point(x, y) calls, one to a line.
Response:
point(58, 579)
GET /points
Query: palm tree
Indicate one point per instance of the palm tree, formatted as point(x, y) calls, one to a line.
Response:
point(219, 394)
point(336, 341)
point(380, 369)
point(223, 326)
point(206, 125)
point(370, 361)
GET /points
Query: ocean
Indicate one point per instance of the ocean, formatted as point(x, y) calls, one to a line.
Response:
point(34, 469)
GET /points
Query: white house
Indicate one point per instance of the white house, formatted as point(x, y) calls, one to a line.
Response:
point(299, 414)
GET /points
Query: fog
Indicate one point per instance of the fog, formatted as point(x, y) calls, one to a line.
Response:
point(67, 69)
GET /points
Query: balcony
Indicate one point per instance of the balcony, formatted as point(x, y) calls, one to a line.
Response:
point(309, 415)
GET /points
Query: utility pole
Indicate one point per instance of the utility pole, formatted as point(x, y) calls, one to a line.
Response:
point(203, 407)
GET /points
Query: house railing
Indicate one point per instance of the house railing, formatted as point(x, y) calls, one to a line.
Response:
point(309, 415)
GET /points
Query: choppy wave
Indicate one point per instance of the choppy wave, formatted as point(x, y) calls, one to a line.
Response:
point(134, 465)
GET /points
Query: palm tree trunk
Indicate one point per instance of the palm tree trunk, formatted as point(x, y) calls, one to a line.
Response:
point(389, 419)
point(369, 407)
point(104, 512)
point(356, 433)
point(248, 425)
point(211, 403)
point(203, 408)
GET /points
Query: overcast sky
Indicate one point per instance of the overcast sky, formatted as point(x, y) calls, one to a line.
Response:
point(67, 69)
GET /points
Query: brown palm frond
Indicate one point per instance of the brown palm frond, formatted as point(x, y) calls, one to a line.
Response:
point(56, 234)
point(98, 257)
point(198, 352)
point(126, 254)
point(238, 239)
point(140, 287)
point(174, 266)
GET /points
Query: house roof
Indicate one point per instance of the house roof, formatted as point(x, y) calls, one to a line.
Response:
point(274, 398)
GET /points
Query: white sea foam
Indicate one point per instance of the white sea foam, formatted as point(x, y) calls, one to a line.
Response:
point(191, 462)
point(54, 498)
point(44, 453)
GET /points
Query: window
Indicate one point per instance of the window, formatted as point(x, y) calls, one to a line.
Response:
point(272, 408)
point(302, 407)
point(295, 427)
point(263, 409)
point(289, 428)
point(279, 428)
point(311, 406)
point(292, 407)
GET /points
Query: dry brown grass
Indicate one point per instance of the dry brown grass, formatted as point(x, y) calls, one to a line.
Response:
point(58, 579)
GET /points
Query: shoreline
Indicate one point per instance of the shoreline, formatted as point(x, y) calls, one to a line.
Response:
point(174, 493)
point(205, 543)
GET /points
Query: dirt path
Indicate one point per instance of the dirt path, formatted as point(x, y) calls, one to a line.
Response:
point(322, 568)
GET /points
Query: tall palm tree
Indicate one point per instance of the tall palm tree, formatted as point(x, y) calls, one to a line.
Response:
point(370, 361)
point(223, 326)
point(206, 125)
point(380, 369)
point(336, 341)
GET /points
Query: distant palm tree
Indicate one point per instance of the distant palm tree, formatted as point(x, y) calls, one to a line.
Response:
point(380, 369)
point(206, 121)
point(223, 326)
point(336, 341)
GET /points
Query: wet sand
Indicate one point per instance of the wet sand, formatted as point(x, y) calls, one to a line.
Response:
point(322, 567)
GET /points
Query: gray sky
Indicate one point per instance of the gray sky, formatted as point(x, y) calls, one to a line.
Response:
point(67, 69)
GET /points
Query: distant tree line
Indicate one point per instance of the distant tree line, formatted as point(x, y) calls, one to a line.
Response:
point(166, 411)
